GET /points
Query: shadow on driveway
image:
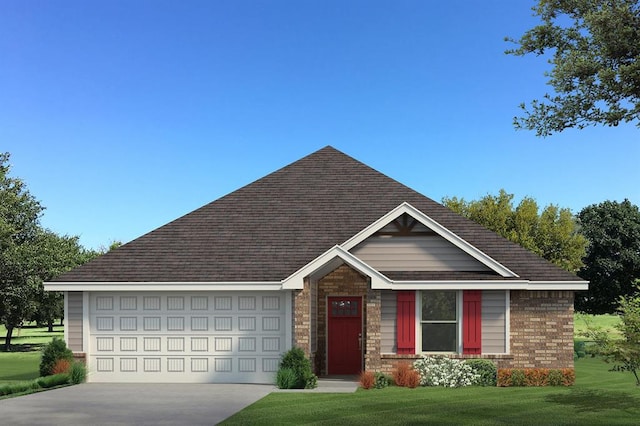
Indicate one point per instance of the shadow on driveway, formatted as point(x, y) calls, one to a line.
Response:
point(131, 404)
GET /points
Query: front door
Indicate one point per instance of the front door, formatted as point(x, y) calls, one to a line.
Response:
point(344, 343)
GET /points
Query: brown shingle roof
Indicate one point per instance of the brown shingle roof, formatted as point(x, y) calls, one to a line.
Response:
point(270, 228)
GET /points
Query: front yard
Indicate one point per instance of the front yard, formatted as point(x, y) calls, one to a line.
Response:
point(598, 397)
point(24, 359)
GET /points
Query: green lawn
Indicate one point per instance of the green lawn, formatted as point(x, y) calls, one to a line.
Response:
point(607, 322)
point(599, 397)
point(23, 362)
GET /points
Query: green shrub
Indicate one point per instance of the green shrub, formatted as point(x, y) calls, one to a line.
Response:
point(486, 370)
point(381, 380)
point(295, 360)
point(286, 378)
point(518, 378)
point(77, 373)
point(555, 378)
point(52, 352)
point(579, 349)
point(52, 381)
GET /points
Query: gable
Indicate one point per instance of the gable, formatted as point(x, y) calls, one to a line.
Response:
point(415, 253)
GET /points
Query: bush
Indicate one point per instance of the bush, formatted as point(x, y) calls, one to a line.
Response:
point(405, 375)
point(34, 385)
point(54, 380)
point(536, 377)
point(77, 373)
point(52, 352)
point(579, 349)
point(295, 360)
point(381, 380)
point(286, 378)
point(486, 370)
point(61, 366)
point(442, 371)
point(367, 379)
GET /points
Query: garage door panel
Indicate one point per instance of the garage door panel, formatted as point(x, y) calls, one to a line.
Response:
point(193, 337)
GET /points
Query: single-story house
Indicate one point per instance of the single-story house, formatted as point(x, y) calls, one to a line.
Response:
point(326, 254)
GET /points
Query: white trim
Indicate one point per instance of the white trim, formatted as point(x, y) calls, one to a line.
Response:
point(66, 317)
point(86, 324)
point(558, 285)
point(296, 280)
point(163, 286)
point(435, 227)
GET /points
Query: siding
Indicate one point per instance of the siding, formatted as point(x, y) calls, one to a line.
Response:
point(388, 322)
point(423, 253)
point(74, 320)
point(493, 321)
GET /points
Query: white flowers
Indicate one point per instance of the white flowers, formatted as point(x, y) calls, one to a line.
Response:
point(443, 371)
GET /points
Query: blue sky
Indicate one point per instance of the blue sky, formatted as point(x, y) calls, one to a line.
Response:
point(124, 115)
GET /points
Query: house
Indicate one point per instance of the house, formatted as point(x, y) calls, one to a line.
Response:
point(327, 254)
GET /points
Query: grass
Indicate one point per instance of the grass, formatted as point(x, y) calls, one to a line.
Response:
point(23, 362)
point(607, 322)
point(599, 397)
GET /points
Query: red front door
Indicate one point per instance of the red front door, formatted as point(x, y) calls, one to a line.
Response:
point(344, 340)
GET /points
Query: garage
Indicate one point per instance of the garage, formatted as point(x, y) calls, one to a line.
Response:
point(194, 337)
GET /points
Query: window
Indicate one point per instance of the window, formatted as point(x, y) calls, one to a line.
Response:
point(439, 321)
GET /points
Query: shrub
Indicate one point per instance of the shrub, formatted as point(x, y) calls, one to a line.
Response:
point(568, 376)
point(61, 366)
point(367, 379)
point(518, 377)
point(536, 377)
point(77, 373)
point(555, 378)
point(504, 377)
point(579, 349)
point(286, 378)
point(442, 371)
point(486, 371)
point(54, 380)
point(381, 380)
point(295, 360)
point(52, 352)
point(400, 373)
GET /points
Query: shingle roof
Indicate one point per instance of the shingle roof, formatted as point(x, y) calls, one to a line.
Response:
point(272, 227)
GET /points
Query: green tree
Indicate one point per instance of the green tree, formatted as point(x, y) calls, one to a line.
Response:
point(612, 263)
point(19, 225)
point(623, 353)
point(595, 64)
point(552, 233)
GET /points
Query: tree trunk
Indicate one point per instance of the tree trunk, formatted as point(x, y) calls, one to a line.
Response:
point(50, 325)
point(7, 341)
point(62, 322)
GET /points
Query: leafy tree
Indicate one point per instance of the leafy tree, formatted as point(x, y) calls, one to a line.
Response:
point(612, 263)
point(19, 225)
point(623, 353)
point(595, 70)
point(552, 233)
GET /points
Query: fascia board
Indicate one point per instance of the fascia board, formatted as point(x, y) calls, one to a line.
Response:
point(435, 227)
point(162, 286)
point(484, 285)
point(296, 280)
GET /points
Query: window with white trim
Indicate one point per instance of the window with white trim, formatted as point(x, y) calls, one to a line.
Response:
point(440, 321)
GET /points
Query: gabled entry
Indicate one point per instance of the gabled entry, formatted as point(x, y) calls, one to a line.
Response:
point(344, 335)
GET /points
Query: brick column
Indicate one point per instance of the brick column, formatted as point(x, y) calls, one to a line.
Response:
point(302, 318)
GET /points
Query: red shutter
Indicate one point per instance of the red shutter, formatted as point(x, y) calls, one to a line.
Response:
point(406, 322)
point(472, 321)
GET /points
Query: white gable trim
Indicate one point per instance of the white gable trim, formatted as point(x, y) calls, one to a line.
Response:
point(435, 227)
point(162, 286)
point(296, 280)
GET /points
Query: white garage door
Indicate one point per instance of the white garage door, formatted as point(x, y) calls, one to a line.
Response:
point(198, 337)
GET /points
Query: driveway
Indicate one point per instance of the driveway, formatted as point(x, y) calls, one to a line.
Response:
point(131, 404)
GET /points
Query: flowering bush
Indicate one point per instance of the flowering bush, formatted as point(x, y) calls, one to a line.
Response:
point(442, 371)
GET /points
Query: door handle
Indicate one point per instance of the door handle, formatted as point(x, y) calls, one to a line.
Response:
point(359, 341)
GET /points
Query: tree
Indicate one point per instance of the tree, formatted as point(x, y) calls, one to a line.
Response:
point(612, 263)
point(53, 255)
point(625, 352)
point(552, 234)
point(19, 224)
point(595, 70)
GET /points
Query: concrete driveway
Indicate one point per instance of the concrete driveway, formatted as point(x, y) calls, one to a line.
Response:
point(131, 404)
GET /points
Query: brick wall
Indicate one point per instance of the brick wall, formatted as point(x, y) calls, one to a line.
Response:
point(541, 329)
point(302, 318)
